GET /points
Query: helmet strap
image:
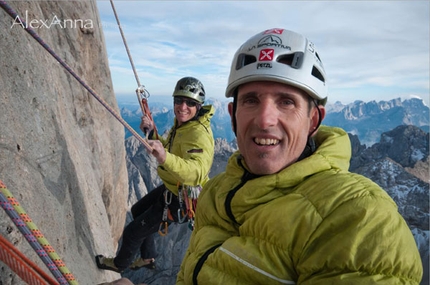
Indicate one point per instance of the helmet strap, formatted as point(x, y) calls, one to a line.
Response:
point(199, 111)
point(319, 117)
point(233, 115)
point(310, 144)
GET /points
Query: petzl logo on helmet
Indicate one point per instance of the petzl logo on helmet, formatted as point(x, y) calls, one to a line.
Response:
point(266, 54)
point(273, 31)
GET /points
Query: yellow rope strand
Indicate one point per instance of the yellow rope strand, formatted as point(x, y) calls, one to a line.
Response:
point(39, 236)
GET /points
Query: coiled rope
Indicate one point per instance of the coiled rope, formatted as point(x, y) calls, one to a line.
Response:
point(6, 7)
point(35, 237)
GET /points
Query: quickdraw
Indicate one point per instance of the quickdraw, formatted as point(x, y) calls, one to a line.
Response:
point(188, 195)
point(142, 97)
point(164, 225)
point(181, 215)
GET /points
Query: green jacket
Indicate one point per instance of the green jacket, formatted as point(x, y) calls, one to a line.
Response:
point(189, 152)
point(312, 223)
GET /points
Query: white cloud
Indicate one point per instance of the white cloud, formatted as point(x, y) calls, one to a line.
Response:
point(376, 50)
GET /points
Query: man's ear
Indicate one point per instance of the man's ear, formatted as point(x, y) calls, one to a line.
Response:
point(232, 119)
point(317, 118)
point(323, 112)
point(230, 108)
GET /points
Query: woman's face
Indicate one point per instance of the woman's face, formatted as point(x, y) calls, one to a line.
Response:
point(185, 109)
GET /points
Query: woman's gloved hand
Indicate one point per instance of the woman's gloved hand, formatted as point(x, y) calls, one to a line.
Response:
point(146, 125)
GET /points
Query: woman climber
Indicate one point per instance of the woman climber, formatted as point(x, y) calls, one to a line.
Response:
point(184, 161)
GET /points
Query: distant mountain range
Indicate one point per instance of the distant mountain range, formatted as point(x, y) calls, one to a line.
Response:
point(366, 120)
point(369, 120)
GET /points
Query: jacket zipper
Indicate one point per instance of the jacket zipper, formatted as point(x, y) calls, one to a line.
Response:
point(202, 260)
point(245, 178)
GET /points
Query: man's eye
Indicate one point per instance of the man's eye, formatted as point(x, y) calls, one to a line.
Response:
point(250, 101)
point(287, 102)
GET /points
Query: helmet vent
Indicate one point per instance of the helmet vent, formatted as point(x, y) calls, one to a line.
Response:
point(316, 54)
point(294, 60)
point(244, 60)
point(316, 73)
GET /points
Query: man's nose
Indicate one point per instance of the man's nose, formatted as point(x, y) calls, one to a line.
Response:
point(267, 115)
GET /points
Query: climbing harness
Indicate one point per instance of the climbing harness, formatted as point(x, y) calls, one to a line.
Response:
point(141, 92)
point(187, 197)
point(35, 36)
point(34, 237)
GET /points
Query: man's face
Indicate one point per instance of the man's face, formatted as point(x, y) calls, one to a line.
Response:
point(273, 124)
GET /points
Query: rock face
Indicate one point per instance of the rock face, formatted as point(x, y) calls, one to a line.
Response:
point(62, 154)
point(400, 164)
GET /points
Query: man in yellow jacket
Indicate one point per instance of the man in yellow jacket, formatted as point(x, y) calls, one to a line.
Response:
point(287, 210)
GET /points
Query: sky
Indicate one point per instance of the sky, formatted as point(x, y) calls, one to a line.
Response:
point(371, 50)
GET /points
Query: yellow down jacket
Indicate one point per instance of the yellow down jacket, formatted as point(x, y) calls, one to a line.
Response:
point(190, 151)
point(312, 223)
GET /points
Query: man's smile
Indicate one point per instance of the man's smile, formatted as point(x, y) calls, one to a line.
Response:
point(266, 141)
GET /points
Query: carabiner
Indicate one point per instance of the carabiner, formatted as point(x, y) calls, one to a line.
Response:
point(191, 213)
point(181, 216)
point(166, 228)
point(142, 92)
point(167, 200)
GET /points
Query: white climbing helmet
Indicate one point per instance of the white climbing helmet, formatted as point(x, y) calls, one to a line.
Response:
point(282, 56)
point(190, 87)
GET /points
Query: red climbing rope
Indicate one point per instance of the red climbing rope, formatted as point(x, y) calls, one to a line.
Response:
point(35, 237)
point(22, 266)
